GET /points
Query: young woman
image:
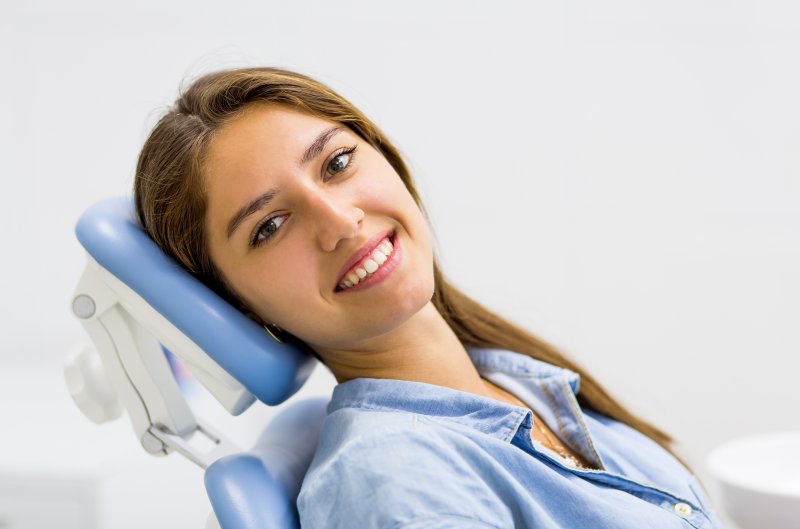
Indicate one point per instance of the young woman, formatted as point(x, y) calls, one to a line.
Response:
point(289, 202)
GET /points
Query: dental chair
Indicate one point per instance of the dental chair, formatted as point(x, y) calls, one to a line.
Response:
point(135, 302)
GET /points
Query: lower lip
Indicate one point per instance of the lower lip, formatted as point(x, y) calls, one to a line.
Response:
point(381, 273)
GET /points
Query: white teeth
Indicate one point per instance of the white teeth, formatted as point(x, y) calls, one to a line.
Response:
point(370, 265)
point(377, 258)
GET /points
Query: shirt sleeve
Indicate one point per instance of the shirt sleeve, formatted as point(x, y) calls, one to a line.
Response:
point(404, 481)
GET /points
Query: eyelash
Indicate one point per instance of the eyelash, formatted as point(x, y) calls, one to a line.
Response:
point(255, 241)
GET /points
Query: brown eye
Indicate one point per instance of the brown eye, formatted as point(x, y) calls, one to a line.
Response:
point(341, 161)
point(266, 230)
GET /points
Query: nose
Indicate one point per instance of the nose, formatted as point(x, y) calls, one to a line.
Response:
point(337, 219)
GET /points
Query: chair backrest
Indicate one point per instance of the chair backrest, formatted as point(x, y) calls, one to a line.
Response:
point(111, 234)
point(258, 489)
point(129, 272)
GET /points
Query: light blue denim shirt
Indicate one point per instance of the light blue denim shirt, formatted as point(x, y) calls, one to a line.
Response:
point(395, 454)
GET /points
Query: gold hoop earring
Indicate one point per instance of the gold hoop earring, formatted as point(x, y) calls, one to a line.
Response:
point(278, 330)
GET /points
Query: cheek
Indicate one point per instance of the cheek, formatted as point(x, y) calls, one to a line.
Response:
point(385, 194)
point(281, 288)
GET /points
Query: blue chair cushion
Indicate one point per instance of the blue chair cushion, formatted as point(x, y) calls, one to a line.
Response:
point(271, 371)
point(259, 489)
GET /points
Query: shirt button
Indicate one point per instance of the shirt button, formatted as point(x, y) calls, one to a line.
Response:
point(682, 509)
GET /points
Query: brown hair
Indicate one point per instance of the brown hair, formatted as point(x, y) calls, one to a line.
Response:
point(171, 207)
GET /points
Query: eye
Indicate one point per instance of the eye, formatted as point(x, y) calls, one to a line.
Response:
point(341, 160)
point(266, 230)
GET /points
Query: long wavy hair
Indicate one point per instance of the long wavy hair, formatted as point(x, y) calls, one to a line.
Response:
point(171, 207)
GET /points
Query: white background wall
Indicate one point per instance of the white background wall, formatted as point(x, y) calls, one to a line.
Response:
point(619, 177)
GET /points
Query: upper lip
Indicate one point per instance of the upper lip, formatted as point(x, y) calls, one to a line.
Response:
point(362, 253)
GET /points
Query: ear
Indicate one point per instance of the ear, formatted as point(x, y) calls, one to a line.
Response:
point(256, 318)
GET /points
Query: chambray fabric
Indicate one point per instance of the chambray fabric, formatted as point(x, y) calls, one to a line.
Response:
point(395, 454)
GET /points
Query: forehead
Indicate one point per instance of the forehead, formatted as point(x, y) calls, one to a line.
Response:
point(262, 133)
point(253, 151)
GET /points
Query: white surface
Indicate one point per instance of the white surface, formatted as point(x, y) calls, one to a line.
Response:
point(758, 479)
point(768, 462)
point(44, 433)
point(53, 460)
point(619, 177)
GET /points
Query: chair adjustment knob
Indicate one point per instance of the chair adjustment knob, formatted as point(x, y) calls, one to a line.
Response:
point(87, 383)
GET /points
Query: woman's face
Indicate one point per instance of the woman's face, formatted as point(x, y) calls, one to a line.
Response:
point(331, 194)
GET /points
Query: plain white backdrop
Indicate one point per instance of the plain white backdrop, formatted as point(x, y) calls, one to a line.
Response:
point(620, 177)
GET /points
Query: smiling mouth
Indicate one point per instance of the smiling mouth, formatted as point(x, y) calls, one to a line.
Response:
point(373, 263)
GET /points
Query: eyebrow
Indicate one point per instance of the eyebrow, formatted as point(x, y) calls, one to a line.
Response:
point(263, 199)
point(255, 205)
point(318, 144)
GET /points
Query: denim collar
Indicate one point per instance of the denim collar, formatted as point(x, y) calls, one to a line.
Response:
point(490, 416)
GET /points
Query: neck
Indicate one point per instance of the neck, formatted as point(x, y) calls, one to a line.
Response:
point(424, 349)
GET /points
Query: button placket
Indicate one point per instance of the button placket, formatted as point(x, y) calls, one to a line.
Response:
point(683, 510)
point(693, 515)
point(647, 492)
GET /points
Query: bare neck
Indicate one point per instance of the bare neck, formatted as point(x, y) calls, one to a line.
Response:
point(424, 349)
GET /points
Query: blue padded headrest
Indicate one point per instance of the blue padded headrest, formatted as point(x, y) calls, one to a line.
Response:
point(271, 371)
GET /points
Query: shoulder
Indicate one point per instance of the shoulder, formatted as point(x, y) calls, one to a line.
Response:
point(388, 470)
point(358, 437)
